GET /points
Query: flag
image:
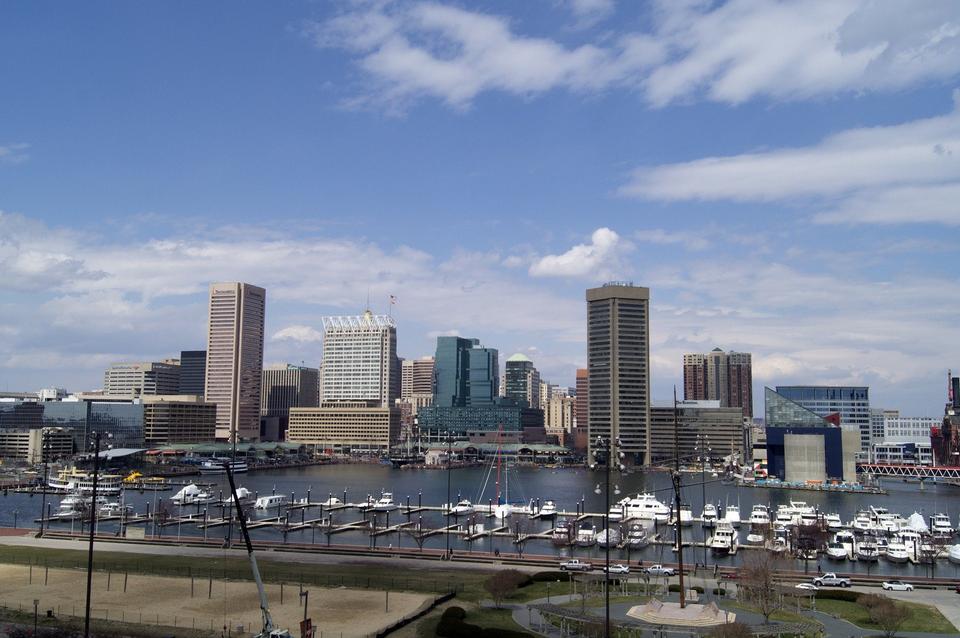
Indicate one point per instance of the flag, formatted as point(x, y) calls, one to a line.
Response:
point(393, 300)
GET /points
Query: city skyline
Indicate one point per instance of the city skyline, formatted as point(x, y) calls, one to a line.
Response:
point(800, 216)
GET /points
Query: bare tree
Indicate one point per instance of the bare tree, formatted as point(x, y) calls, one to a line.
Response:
point(885, 613)
point(503, 583)
point(758, 583)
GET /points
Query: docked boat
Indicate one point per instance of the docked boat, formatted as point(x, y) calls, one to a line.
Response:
point(757, 535)
point(897, 551)
point(561, 533)
point(779, 545)
point(616, 513)
point(462, 508)
point(953, 554)
point(847, 540)
point(759, 515)
point(270, 501)
point(637, 536)
point(608, 537)
point(586, 535)
point(863, 522)
point(244, 495)
point(216, 466)
point(645, 507)
point(833, 522)
point(882, 545)
point(941, 526)
point(548, 510)
point(192, 495)
point(796, 513)
point(73, 480)
point(114, 509)
point(709, 516)
point(332, 501)
point(836, 551)
point(505, 510)
point(724, 540)
point(384, 503)
point(867, 552)
point(731, 514)
point(686, 515)
point(916, 523)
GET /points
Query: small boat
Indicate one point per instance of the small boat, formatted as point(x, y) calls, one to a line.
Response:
point(549, 509)
point(114, 509)
point(645, 507)
point(731, 514)
point(244, 495)
point(941, 526)
point(192, 495)
point(779, 545)
point(608, 537)
point(462, 508)
point(385, 503)
point(586, 535)
point(709, 516)
point(616, 513)
point(757, 535)
point(216, 466)
point(724, 540)
point(332, 501)
point(686, 515)
point(759, 515)
point(836, 551)
point(561, 533)
point(637, 536)
point(270, 501)
point(897, 551)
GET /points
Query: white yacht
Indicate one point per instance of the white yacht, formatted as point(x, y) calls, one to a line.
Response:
point(270, 501)
point(808, 519)
point(686, 515)
point(645, 507)
point(757, 535)
point(759, 515)
point(897, 551)
point(114, 509)
point(548, 510)
point(75, 506)
point(637, 536)
point(616, 512)
point(784, 516)
point(863, 522)
point(608, 537)
point(867, 552)
point(244, 495)
point(731, 514)
point(798, 512)
point(709, 516)
point(779, 545)
point(385, 503)
point(953, 554)
point(724, 540)
point(462, 508)
point(332, 501)
point(216, 466)
point(833, 522)
point(941, 526)
point(192, 495)
point(561, 533)
point(586, 535)
point(882, 545)
point(836, 551)
point(847, 539)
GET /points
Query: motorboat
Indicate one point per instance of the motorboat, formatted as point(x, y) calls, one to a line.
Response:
point(833, 521)
point(953, 554)
point(548, 510)
point(836, 551)
point(244, 495)
point(709, 516)
point(586, 535)
point(808, 519)
point(462, 508)
point(505, 510)
point(799, 514)
point(216, 466)
point(609, 537)
point(779, 545)
point(731, 514)
point(192, 495)
point(385, 503)
point(561, 533)
point(784, 517)
point(270, 501)
point(724, 540)
point(941, 526)
point(645, 507)
point(882, 545)
point(616, 513)
point(114, 509)
point(759, 515)
point(758, 534)
point(73, 480)
point(867, 552)
point(332, 501)
point(76, 506)
point(863, 522)
point(637, 536)
point(686, 515)
point(897, 551)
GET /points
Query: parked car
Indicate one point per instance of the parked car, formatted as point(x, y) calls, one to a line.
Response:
point(660, 570)
point(575, 565)
point(831, 580)
point(617, 569)
point(896, 585)
point(807, 586)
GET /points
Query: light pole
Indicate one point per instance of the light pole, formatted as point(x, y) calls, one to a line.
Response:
point(446, 519)
point(703, 447)
point(93, 527)
point(609, 452)
point(45, 454)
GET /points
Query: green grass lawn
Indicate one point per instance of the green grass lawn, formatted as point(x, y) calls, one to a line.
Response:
point(923, 618)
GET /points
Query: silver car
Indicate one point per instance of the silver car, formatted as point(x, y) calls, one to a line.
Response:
point(896, 585)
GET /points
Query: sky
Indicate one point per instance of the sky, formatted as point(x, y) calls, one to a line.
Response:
point(784, 177)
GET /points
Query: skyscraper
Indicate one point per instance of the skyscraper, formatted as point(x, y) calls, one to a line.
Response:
point(483, 380)
point(580, 411)
point(142, 378)
point(721, 376)
point(193, 371)
point(235, 358)
point(618, 364)
point(522, 381)
point(417, 377)
point(451, 371)
point(360, 360)
point(285, 386)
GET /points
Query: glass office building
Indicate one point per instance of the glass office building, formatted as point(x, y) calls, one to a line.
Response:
point(852, 403)
point(123, 421)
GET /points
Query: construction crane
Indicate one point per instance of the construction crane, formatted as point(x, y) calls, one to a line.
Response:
point(268, 631)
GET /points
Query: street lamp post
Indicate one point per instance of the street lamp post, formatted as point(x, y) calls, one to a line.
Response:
point(610, 450)
point(446, 518)
point(45, 453)
point(93, 527)
point(703, 447)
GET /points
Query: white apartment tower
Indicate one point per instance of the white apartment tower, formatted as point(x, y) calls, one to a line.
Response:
point(235, 358)
point(360, 360)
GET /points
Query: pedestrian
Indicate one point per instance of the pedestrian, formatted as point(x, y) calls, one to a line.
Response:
point(819, 569)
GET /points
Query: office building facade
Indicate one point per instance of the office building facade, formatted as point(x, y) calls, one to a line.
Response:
point(346, 427)
point(285, 386)
point(618, 364)
point(702, 428)
point(178, 419)
point(235, 358)
point(193, 371)
point(360, 360)
point(122, 420)
point(721, 376)
point(416, 377)
point(852, 403)
point(522, 381)
point(141, 378)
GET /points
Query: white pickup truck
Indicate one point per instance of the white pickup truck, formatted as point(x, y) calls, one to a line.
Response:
point(831, 580)
point(660, 570)
point(575, 565)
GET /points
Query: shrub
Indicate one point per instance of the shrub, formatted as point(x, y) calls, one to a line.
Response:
point(719, 591)
point(551, 577)
point(838, 594)
point(676, 587)
point(452, 625)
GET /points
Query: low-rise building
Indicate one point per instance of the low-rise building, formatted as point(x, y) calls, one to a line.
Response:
point(346, 427)
point(35, 445)
point(703, 420)
point(178, 419)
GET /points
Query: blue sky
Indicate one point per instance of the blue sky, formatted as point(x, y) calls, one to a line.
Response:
point(784, 176)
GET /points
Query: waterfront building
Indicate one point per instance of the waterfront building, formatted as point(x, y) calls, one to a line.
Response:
point(346, 427)
point(618, 361)
point(852, 403)
point(119, 417)
point(435, 421)
point(707, 421)
point(522, 381)
point(451, 371)
point(559, 418)
point(235, 358)
point(803, 446)
point(581, 412)
point(416, 377)
point(171, 419)
point(20, 414)
point(906, 440)
point(136, 379)
point(193, 372)
point(360, 360)
point(721, 376)
point(35, 445)
point(285, 386)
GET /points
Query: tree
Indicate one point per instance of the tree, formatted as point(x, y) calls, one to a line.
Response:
point(731, 630)
point(884, 613)
point(758, 583)
point(503, 583)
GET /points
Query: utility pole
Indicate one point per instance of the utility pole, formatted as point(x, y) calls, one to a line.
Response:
point(676, 492)
point(93, 527)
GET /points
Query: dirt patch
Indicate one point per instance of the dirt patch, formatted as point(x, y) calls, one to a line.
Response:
point(160, 600)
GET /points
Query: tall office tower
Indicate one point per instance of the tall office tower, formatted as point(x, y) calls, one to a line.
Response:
point(360, 360)
point(451, 371)
point(522, 381)
point(235, 358)
point(483, 380)
point(137, 379)
point(618, 364)
point(546, 391)
point(193, 371)
point(721, 376)
point(417, 377)
point(583, 393)
point(285, 386)
point(851, 403)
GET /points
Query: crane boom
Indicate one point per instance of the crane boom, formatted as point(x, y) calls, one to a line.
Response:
point(268, 629)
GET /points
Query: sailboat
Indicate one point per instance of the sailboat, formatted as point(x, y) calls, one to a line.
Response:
point(502, 507)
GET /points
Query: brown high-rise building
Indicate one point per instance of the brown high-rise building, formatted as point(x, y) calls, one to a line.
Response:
point(618, 365)
point(580, 412)
point(416, 377)
point(721, 376)
point(235, 358)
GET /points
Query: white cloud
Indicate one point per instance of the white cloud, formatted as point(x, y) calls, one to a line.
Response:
point(301, 334)
point(453, 332)
point(728, 52)
point(601, 258)
point(660, 236)
point(13, 153)
point(907, 172)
